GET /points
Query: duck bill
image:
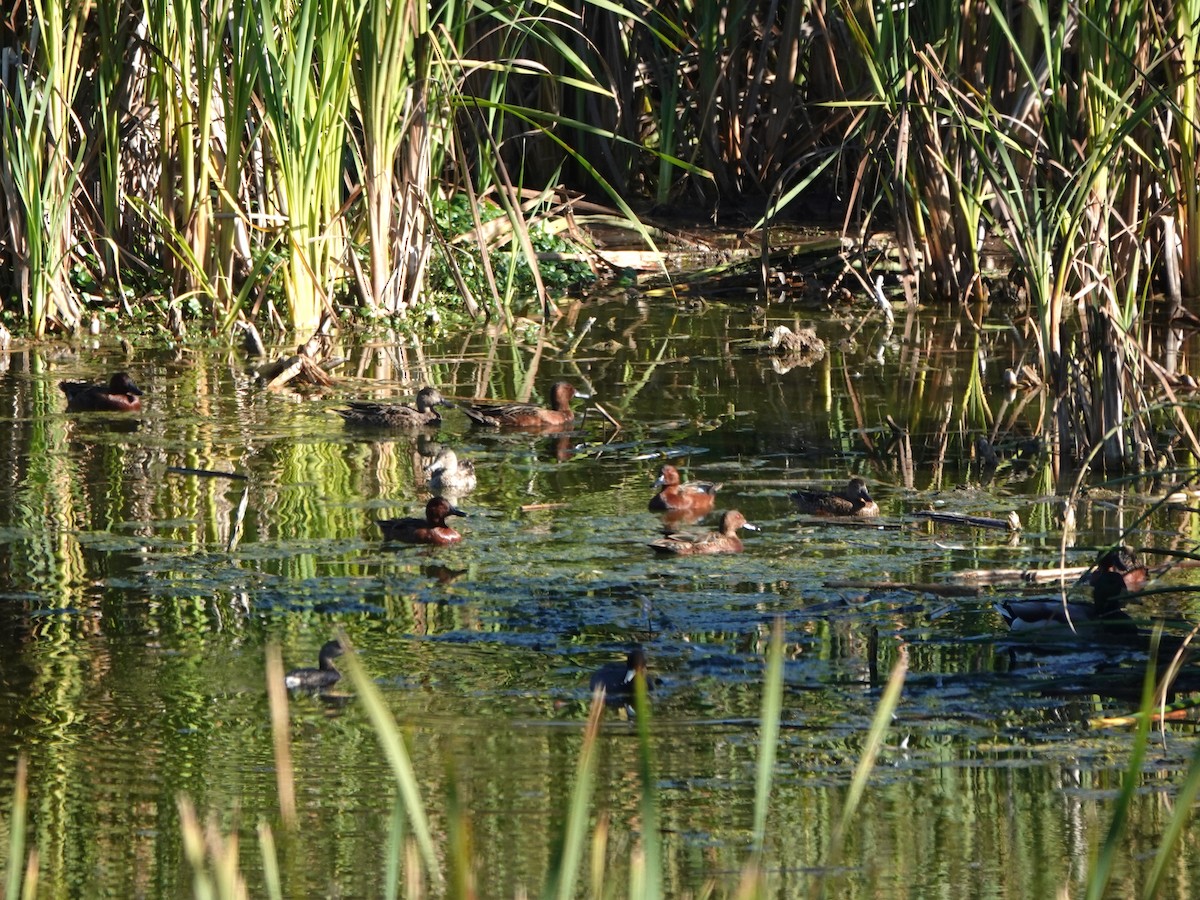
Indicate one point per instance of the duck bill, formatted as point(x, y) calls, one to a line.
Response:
point(455, 511)
point(750, 527)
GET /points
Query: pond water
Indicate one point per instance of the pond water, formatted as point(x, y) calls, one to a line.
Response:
point(139, 602)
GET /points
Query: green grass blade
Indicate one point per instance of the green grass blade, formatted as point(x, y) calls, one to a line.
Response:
point(1101, 872)
point(651, 888)
point(1183, 810)
point(862, 772)
point(395, 851)
point(392, 743)
point(270, 861)
point(16, 840)
point(769, 734)
point(561, 884)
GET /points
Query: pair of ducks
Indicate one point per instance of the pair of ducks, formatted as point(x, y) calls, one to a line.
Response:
point(488, 414)
point(676, 495)
point(616, 679)
point(697, 497)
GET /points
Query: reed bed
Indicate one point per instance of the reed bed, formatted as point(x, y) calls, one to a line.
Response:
point(214, 162)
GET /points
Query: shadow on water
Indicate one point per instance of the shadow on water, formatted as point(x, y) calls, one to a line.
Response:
point(139, 594)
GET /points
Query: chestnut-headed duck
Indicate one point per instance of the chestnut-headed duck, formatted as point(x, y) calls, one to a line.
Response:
point(528, 415)
point(430, 530)
point(119, 395)
point(677, 495)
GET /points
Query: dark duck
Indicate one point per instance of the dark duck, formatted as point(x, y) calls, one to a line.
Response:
point(325, 675)
point(120, 394)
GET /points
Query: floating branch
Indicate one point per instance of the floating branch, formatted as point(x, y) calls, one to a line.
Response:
point(1012, 523)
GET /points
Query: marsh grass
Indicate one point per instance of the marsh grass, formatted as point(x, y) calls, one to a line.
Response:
point(318, 135)
point(415, 863)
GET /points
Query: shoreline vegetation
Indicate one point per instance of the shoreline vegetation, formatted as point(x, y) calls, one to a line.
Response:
point(207, 164)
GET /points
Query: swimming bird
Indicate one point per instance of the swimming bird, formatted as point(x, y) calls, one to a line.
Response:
point(449, 474)
point(430, 530)
point(319, 678)
point(397, 415)
point(529, 415)
point(724, 540)
point(852, 500)
point(1105, 610)
point(119, 395)
point(675, 494)
point(618, 679)
point(1122, 561)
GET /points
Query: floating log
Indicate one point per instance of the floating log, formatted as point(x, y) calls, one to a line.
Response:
point(941, 589)
point(205, 473)
point(1012, 523)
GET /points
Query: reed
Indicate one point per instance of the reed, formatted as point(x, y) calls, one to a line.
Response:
point(399, 151)
point(304, 85)
point(43, 158)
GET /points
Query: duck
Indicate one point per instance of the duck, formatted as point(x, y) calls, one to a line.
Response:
point(449, 474)
point(677, 495)
point(617, 679)
point(1122, 561)
point(529, 415)
point(852, 500)
point(1115, 575)
point(119, 395)
point(326, 675)
point(430, 530)
point(723, 540)
point(397, 415)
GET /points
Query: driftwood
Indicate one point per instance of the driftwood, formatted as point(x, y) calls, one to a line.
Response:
point(1070, 574)
point(1012, 523)
point(943, 590)
point(205, 473)
point(307, 366)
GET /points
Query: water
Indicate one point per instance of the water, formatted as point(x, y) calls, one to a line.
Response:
point(138, 603)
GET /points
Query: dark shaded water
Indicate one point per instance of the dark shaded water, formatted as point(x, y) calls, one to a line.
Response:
point(138, 603)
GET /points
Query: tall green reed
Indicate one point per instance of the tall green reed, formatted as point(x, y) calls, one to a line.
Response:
point(399, 152)
point(302, 53)
point(42, 158)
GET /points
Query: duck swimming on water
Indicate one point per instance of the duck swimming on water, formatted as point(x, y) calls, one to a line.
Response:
point(685, 496)
point(430, 530)
point(724, 540)
point(529, 415)
point(120, 394)
point(618, 679)
point(397, 415)
point(317, 679)
point(852, 500)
